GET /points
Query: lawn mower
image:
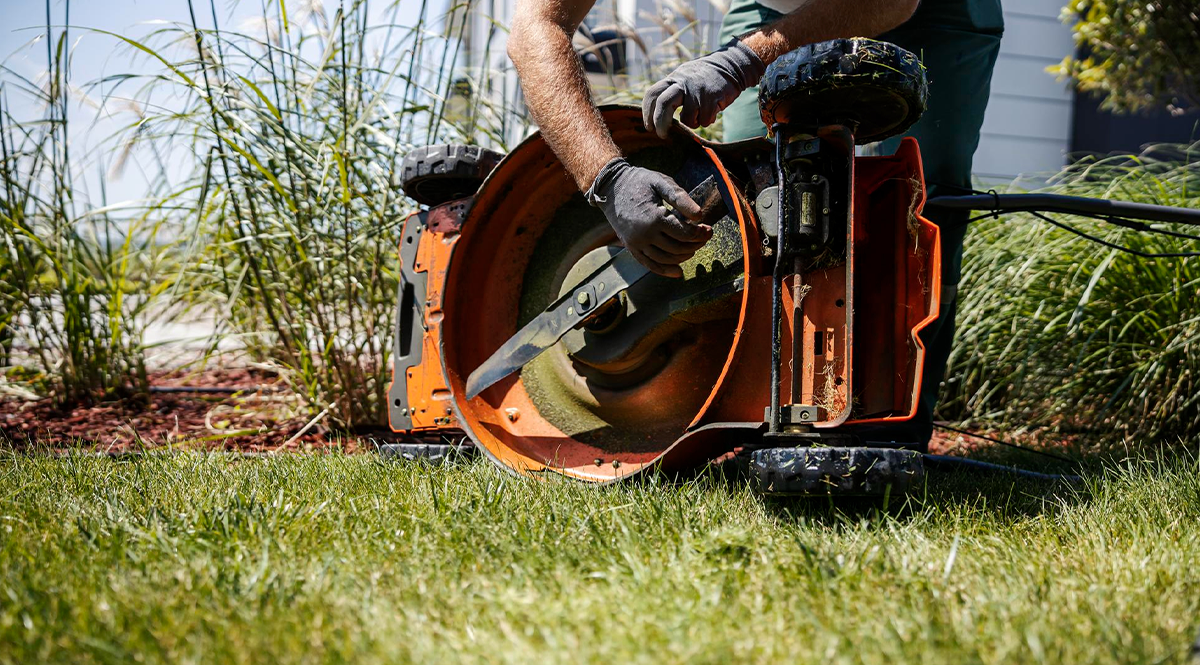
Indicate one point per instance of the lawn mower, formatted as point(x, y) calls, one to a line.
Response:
point(525, 329)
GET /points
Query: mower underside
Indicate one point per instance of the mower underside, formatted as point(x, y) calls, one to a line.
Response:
point(673, 372)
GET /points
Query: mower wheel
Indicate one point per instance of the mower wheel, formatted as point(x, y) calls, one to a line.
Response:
point(436, 174)
point(836, 471)
point(875, 88)
point(435, 453)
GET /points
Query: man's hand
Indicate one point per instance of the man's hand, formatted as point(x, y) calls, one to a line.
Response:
point(632, 200)
point(703, 87)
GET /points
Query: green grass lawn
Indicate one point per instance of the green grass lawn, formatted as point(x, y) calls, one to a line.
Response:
point(208, 558)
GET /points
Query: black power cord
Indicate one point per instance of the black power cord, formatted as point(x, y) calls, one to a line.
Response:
point(1002, 442)
point(1118, 213)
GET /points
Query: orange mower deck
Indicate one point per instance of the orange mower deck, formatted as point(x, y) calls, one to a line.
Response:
point(713, 385)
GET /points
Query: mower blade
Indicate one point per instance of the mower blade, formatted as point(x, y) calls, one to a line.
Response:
point(581, 302)
point(606, 283)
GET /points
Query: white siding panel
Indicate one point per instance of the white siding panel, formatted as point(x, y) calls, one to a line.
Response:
point(1027, 127)
point(1028, 117)
point(1006, 157)
point(1043, 8)
point(1036, 37)
point(1027, 77)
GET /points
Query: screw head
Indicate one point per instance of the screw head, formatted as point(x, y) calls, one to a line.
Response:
point(583, 299)
point(512, 414)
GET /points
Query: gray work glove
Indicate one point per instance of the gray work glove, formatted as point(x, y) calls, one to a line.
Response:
point(703, 87)
point(632, 200)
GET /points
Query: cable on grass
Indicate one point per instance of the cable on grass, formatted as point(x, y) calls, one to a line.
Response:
point(946, 462)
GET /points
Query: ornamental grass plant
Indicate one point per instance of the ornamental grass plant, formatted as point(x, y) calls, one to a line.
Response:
point(1056, 330)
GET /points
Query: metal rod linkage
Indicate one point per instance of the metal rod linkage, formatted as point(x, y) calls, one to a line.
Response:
point(797, 330)
point(778, 273)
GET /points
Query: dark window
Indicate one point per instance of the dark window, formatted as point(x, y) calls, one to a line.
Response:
point(608, 55)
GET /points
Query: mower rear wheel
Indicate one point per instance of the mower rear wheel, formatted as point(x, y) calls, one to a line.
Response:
point(437, 174)
point(875, 88)
point(836, 471)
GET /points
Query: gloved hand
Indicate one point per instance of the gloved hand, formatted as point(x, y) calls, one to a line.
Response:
point(704, 87)
point(632, 200)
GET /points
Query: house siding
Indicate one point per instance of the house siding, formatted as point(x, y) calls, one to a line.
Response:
point(1027, 128)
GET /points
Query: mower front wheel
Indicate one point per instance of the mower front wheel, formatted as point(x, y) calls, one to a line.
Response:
point(876, 88)
point(437, 174)
point(836, 471)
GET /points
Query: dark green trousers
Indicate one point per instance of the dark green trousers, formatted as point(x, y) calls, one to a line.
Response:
point(958, 41)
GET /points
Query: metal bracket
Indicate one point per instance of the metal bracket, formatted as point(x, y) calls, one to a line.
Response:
point(794, 414)
point(767, 211)
point(408, 336)
point(449, 217)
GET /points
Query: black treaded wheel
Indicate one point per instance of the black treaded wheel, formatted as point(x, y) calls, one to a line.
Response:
point(836, 471)
point(876, 88)
point(435, 174)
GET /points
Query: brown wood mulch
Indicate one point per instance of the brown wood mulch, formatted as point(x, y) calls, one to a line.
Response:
point(263, 417)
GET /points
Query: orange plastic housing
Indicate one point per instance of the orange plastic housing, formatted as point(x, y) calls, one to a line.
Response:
point(474, 277)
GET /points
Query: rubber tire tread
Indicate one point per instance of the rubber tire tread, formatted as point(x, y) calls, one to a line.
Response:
point(435, 174)
point(876, 86)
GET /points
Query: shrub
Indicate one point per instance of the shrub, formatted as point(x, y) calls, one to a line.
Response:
point(298, 132)
point(1137, 54)
point(75, 280)
point(1055, 330)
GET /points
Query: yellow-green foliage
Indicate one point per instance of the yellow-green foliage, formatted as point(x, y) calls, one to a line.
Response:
point(1137, 54)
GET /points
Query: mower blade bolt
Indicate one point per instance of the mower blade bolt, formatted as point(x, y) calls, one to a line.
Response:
point(513, 415)
point(583, 300)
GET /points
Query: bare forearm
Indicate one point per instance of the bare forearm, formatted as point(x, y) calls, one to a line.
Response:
point(557, 93)
point(821, 20)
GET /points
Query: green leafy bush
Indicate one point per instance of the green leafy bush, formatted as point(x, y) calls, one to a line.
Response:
point(1056, 330)
point(1137, 54)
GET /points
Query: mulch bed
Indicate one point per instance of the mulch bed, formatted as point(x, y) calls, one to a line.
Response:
point(263, 417)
